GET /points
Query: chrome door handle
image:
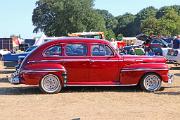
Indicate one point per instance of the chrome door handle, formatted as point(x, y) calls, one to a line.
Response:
point(91, 60)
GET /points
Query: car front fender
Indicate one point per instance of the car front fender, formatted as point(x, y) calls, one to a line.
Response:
point(132, 74)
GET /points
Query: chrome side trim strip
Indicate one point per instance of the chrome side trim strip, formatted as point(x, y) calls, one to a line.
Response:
point(105, 60)
point(42, 70)
point(139, 60)
point(125, 70)
point(74, 60)
point(45, 61)
point(99, 85)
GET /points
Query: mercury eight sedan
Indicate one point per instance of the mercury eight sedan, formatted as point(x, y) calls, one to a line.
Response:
point(88, 62)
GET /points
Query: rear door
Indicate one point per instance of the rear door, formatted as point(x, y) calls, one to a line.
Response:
point(76, 63)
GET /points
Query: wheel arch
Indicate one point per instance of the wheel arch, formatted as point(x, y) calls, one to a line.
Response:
point(150, 72)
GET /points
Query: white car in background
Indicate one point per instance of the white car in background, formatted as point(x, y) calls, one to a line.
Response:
point(173, 55)
point(3, 52)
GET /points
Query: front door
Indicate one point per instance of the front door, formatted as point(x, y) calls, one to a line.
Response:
point(104, 68)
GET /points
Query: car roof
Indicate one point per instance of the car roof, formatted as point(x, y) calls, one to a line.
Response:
point(76, 40)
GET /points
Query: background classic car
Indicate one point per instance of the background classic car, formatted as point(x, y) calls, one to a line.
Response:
point(88, 62)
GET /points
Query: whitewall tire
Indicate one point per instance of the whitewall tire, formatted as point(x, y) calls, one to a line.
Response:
point(50, 84)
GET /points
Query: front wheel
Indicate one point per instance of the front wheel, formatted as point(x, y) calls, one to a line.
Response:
point(151, 82)
point(50, 84)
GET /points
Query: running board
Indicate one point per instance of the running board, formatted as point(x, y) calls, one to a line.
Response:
point(100, 85)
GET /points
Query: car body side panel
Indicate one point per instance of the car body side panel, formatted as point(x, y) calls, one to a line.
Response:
point(104, 69)
point(77, 69)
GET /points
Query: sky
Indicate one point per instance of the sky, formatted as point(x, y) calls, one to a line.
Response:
point(16, 15)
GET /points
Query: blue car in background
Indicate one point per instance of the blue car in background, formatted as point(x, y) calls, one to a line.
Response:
point(15, 57)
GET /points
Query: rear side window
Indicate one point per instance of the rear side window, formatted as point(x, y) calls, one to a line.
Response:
point(53, 51)
point(101, 50)
point(76, 50)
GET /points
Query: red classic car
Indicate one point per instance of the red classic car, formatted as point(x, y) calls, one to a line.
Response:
point(88, 62)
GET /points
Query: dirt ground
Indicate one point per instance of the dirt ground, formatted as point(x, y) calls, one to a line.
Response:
point(20, 102)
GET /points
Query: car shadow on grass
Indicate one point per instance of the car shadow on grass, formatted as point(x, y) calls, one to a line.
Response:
point(168, 93)
point(30, 90)
point(100, 89)
point(3, 80)
point(163, 92)
point(35, 90)
point(177, 74)
point(175, 68)
point(20, 90)
point(4, 71)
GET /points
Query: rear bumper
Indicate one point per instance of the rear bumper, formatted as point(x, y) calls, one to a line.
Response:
point(14, 79)
point(170, 78)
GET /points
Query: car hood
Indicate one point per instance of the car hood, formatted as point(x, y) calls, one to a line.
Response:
point(144, 59)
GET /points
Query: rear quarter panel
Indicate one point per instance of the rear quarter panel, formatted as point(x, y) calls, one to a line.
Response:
point(34, 72)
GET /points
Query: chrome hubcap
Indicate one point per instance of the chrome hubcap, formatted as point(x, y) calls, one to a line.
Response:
point(50, 83)
point(152, 82)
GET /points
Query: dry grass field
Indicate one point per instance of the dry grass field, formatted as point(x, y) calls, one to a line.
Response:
point(20, 102)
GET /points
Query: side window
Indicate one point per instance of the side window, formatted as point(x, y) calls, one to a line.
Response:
point(76, 50)
point(101, 50)
point(53, 51)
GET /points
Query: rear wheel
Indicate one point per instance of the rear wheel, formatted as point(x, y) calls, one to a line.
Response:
point(50, 84)
point(150, 82)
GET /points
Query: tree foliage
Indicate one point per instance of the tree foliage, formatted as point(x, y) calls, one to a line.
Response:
point(144, 14)
point(125, 24)
point(60, 17)
point(110, 20)
point(167, 25)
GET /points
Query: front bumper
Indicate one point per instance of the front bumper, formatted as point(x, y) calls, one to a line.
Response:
point(14, 79)
point(170, 78)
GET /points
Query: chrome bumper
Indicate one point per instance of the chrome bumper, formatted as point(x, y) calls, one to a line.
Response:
point(14, 79)
point(170, 78)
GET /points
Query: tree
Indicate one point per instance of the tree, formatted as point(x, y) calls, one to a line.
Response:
point(109, 34)
point(125, 24)
point(167, 24)
point(110, 20)
point(163, 10)
point(143, 15)
point(149, 26)
point(60, 17)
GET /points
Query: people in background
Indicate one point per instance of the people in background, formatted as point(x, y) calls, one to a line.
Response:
point(114, 43)
point(146, 46)
point(176, 42)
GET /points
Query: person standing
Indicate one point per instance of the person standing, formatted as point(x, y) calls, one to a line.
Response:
point(113, 43)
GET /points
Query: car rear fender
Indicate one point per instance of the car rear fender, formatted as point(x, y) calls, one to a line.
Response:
point(33, 73)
